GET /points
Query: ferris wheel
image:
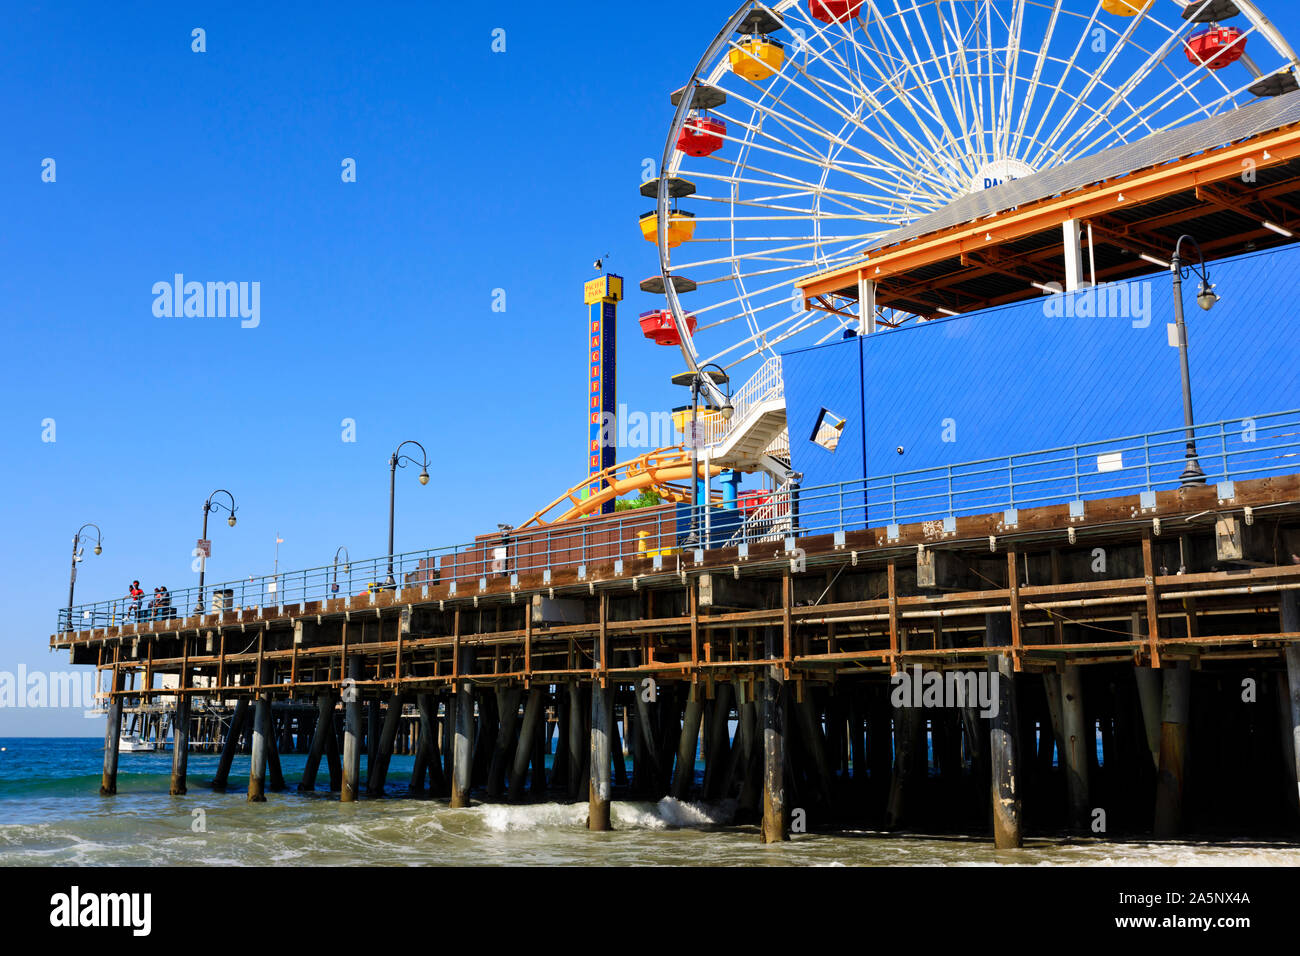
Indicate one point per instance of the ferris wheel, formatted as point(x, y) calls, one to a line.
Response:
point(813, 128)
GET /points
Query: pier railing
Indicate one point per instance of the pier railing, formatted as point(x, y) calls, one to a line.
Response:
point(1227, 451)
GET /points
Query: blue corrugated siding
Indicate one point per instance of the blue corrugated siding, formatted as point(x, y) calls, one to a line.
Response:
point(1013, 379)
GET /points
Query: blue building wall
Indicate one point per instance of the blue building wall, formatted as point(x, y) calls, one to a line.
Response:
point(1016, 379)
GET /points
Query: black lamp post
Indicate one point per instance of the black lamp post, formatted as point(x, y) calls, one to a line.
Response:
point(1205, 298)
point(400, 460)
point(699, 380)
point(76, 556)
point(209, 506)
point(347, 568)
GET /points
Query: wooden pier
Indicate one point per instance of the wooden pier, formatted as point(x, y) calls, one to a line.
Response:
point(1166, 626)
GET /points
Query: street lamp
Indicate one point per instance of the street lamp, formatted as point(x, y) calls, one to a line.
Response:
point(702, 380)
point(347, 568)
point(76, 556)
point(400, 460)
point(209, 506)
point(1206, 299)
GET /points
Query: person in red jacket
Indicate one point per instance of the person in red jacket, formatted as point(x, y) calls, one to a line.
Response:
point(136, 595)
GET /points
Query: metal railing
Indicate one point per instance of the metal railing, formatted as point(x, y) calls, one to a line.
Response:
point(1228, 451)
point(765, 385)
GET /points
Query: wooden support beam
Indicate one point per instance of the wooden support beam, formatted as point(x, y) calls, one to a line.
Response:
point(324, 728)
point(1153, 607)
point(112, 730)
point(352, 733)
point(1175, 711)
point(238, 720)
point(527, 744)
point(181, 728)
point(775, 825)
point(1078, 740)
point(377, 775)
point(1004, 738)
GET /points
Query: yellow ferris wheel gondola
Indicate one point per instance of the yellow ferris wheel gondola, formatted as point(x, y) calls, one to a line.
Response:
point(1125, 8)
point(757, 58)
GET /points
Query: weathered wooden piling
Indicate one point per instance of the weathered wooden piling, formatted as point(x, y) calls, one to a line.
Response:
point(352, 734)
point(688, 744)
point(1173, 749)
point(261, 742)
point(508, 713)
point(1004, 736)
point(377, 774)
point(237, 721)
point(1077, 740)
point(180, 744)
point(599, 782)
point(462, 745)
point(1289, 614)
point(774, 826)
point(324, 727)
point(112, 735)
point(527, 744)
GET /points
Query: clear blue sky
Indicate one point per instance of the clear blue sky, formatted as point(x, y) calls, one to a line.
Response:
point(475, 171)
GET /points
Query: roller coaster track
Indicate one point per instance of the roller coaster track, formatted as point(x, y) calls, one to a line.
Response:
point(662, 470)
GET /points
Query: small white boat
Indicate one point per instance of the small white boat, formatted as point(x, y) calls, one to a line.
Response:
point(132, 744)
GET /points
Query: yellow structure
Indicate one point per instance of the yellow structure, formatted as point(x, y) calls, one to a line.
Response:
point(1125, 8)
point(606, 288)
point(681, 227)
point(662, 470)
point(757, 58)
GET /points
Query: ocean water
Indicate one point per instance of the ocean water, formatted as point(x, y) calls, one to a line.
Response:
point(51, 814)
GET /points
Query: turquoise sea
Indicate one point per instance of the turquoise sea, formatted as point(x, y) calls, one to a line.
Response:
point(51, 814)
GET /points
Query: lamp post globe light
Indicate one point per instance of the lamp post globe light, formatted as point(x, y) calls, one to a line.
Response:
point(212, 504)
point(398, 460)
point(1206, 299)
point(347, 569)
point(77, 556)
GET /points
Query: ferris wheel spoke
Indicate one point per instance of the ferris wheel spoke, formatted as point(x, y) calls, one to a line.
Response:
point(806, 188)
point(897, 90)
point(1139, 76)
point(1027, 107)
point(882, 200)
point(835, 139)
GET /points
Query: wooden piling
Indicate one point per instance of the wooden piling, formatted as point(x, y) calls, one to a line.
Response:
point(598, 787)
point(1290, 624)
point(352, 730)
point(112, 736)
point(324, 726)
point(262, 730)
point(1173, 748)
point(180, 743)
point(526, 746)
point(237, 721)
point(462, 745)
point(1078, 740)
point(508, 713)
point(774, 829)
point(377, 774)
point(687, 745)
point(1004, 738)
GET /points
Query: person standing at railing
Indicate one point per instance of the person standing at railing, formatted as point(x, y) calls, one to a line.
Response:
point(164, 601)
point(135, 595)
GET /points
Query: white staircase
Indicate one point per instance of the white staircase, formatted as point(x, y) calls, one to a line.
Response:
point(755, 436)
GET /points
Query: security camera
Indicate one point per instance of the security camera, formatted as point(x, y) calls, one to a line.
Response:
point(899, 449)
